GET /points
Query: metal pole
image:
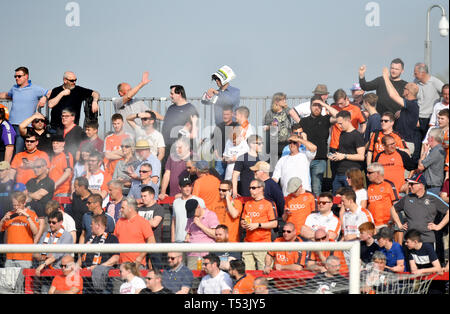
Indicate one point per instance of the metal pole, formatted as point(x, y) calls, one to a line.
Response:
point(427, 39)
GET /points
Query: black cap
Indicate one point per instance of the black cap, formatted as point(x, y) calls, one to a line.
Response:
point(191, 206)
point(184, 181)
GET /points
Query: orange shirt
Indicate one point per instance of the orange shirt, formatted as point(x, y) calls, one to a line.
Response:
point(18, 231)
point(394, 170)
point(288, 258)
point(207, 188)
point(220, 208)
point(298, 208)
point(24, 175)
point(63, 283)
point(314, 256)
point(357, 118)
point(380, 199)
point(113, 142)
point(60, 163)
point(378, 147)
point(134, 230)
point(259, 211)
point(244, 285)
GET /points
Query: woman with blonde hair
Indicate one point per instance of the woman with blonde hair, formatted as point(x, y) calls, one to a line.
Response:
point(278, 120)
point(129, 272)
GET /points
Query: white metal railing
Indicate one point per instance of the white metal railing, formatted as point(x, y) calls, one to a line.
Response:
point(258, 106)
point(353, 247)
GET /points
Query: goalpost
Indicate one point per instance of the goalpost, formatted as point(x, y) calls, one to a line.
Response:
point(352, 247)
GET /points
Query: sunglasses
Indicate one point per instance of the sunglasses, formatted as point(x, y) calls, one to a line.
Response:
point(52, 222)
point(30, 141)
point(287, 231)
point(18, 76)
point(223, 190)
point(143, 171)
point(385, 121)
point(323, 203)
point(125, 146)
point(38, 120)
point(172, 257)
point(73, 81)
point(66, 265)
point(320, 239)
point(254, 187)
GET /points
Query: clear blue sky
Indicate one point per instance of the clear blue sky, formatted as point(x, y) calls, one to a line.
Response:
point(282, 45)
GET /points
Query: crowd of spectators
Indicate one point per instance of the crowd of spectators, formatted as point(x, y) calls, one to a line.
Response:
point(372, 167)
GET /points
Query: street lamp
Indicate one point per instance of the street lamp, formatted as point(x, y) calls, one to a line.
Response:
point(443, 31)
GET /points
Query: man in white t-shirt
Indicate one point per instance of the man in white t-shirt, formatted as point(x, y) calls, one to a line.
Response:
point(296, 164)
point(216, 281)
point(443, 104)
point(323, 219)
point(353, 216)
point(95, 174)
point(303, 110)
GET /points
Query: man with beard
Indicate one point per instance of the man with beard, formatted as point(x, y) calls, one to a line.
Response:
point(385, 103)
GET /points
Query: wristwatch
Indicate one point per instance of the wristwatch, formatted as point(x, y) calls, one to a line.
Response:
point(259, 225)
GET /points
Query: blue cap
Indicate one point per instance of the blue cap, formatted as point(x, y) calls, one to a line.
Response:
point(19, 187)
point(417, 178)
point(202, 165)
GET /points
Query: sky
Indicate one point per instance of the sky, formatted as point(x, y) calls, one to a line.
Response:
point(283, 45)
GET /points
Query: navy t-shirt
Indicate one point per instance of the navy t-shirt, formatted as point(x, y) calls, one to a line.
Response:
point(405, 125)
point(174, 120)
point(423, 257)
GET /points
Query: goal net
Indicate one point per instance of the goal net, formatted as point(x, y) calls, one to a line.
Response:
point(340, 271)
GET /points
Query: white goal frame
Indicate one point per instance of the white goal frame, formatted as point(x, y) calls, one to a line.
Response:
point(352, 246)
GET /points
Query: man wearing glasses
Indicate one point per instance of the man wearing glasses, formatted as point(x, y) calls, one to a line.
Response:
point(375, 143)
point(39, 191)
point(94, 204)
point(22, 163)
point(395, 162)
point(38, 127)
point(284, 260)
point(70, 282)
point(69, 96)
point(145, 179)
point(54, 235)
point(177, 277)
point(147, 131)
point(26, 99)
point(153, 283)
point(323, 219)
point(421, 209)
point(258, 219)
